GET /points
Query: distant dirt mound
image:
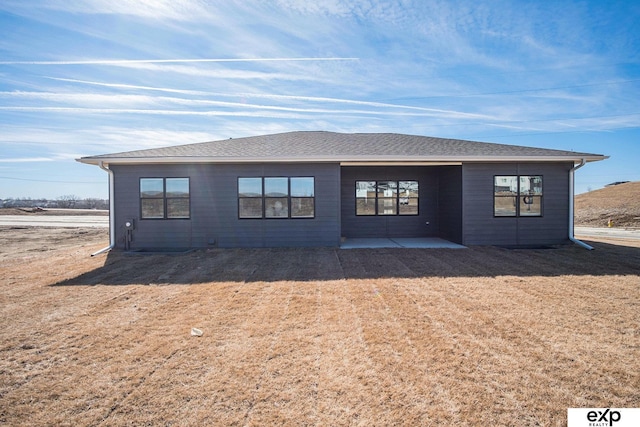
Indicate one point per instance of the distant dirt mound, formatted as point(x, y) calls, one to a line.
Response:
point(19, 211)
point(619, 203)
point(52, 212)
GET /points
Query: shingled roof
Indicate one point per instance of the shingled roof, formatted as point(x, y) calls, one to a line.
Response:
point(339, 147)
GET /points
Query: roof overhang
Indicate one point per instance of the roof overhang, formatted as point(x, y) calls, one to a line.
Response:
point(344, 161)
point(387, 163)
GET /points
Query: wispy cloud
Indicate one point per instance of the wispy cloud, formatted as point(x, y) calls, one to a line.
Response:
point(312, 99)
point(220, 74)
point(123, 75)
point(288, 112)
point(181, 10)
point(26, 159)
point(83, 103)
point(99, 137)
point(169, 61)
point(128, 86)
point(159, 112)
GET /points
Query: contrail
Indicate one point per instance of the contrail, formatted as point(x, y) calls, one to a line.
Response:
point(125, 86)
point(165, 61)
point(285, 97)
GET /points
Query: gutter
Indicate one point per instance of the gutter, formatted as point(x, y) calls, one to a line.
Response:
point(112, 212)
point(571, 206)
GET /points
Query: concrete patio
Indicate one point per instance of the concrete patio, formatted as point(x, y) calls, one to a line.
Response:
point(400, 242)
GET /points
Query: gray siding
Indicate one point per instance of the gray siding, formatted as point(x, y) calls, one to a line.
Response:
point(175, 233)
point(455, 201)
point(450, 202)
point(391, 225)
point(480, 227)
point(214, 208)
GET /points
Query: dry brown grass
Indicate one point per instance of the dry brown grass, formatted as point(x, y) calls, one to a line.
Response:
point(619, 203)
point(482, 336)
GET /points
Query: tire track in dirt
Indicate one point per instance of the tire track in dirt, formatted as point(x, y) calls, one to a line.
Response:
point(565, 280)
point(259, 397)
point(346, 375)
point(371, 379)
point(207, 376)
point(112, 317)
point(550, 267)
point(260, 333)
point(43, 334)
point(289, 363)
point(53, 336)
point(496, 339)
point(476, 268)
point(473, 386)
point(251, 349)
point(342, 363)
point(399, 268)
point(215, 308)
point(116, 319)
point(577, 335)
point(140, 383)
point(447, 300)
point(498, 348)
point(286, 370)
point(314, 403)
point(424, 361)
point(26, 282)
point(407, 386)
point(99, 375)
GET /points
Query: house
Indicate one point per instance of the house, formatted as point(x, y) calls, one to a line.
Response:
point(319, 188)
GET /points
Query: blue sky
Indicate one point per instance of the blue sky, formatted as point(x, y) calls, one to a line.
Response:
point(88, 77)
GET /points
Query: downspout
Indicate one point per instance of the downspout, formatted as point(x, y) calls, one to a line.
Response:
point(571, 206)
point(112, 212)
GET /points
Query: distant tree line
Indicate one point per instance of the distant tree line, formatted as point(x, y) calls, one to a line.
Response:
point(64, 202)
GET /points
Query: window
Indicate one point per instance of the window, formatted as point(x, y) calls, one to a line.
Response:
point(250, 197)
point(164, 198)
point(517, 195)
point(276, 197)
point(387, 198)
point(408, 197)
point(365, 197)
point(302, 197)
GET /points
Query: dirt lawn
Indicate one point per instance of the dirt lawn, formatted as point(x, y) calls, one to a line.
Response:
point(479, 336)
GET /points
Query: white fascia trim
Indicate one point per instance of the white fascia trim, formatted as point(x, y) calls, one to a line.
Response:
point(332, 159)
